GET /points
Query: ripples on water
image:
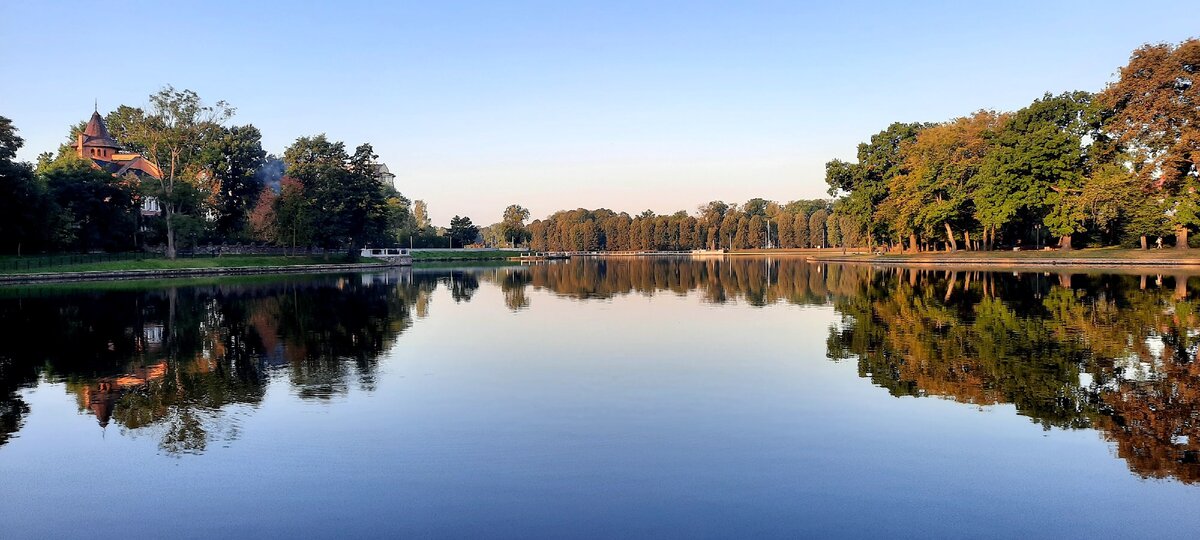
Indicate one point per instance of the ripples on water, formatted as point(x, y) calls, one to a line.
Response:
point(191, 366)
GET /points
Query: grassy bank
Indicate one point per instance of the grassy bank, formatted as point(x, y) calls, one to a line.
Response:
point(235, 261)
point(228, 261)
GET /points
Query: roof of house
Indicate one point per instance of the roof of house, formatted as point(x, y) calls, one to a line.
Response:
point(96, 133)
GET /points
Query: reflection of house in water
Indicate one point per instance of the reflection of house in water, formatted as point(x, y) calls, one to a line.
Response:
point(101, 396)
point(152, 337)
point(398, 276)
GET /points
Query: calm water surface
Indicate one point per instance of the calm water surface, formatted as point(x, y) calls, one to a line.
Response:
point(618, 398)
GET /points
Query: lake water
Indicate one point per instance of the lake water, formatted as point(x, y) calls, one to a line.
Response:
point(615, 398)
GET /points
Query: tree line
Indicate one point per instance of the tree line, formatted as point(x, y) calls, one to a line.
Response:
point(757, 223)
point(1118, 167)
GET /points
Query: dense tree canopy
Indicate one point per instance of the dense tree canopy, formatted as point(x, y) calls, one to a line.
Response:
point(1108, 170)
point(343, 197)
point(218, 186)
point(1120, 167)
point(716, 225)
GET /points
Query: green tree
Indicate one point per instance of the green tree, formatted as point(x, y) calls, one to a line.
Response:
point(421, 214)
point(932, 191)
point(462, 231)
point(741, 238)
point(93, 210)
point(864, 183)
point(233, 158)
point(399, 216)
point(124, 123)
point(816, 228)
point(800, 230)
point(833, 230)
point(1105, 198)
point(173, 134)
point(787, 237)
point(755, 207)
point(512, 224)
point(22, 209)
point(293, 216)
point(366, 197)
point(711, 215)
point(729, 225)
point(1035, 167)
point(348, 202)
point(756, 232)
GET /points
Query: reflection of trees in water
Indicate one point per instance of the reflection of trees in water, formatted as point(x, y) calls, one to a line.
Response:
point(175, 362)
point(14, 374)
point(463, 285)
point(179, 362)
point(756, 281)
point(1114, 353)
point(513, 285)
point(1106, 352)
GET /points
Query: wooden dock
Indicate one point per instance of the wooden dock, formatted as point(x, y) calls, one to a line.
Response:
point(541, 256)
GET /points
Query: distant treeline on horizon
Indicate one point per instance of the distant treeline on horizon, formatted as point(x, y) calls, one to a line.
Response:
point(758, 223)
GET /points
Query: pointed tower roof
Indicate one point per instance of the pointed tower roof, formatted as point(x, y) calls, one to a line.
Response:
point(96, 133)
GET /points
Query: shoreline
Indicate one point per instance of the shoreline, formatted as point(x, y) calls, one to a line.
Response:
point(218, 271)
point(1037, 261)
point(1009, 262)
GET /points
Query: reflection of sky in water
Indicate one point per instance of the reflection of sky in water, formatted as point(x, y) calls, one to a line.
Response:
point(633, 415)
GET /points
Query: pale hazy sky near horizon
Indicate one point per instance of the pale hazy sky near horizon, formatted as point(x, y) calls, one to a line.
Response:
point(556, 105)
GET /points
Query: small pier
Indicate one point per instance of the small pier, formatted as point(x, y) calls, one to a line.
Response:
point(541, 256)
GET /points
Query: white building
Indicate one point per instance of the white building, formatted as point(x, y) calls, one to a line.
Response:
point(385, 176)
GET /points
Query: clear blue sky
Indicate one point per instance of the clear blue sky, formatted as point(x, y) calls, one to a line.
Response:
point(555, 104)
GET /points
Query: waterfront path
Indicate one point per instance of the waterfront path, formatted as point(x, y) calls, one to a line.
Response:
point(1101, 257)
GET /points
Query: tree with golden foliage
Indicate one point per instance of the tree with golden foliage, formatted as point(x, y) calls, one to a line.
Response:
point(1156, 104)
